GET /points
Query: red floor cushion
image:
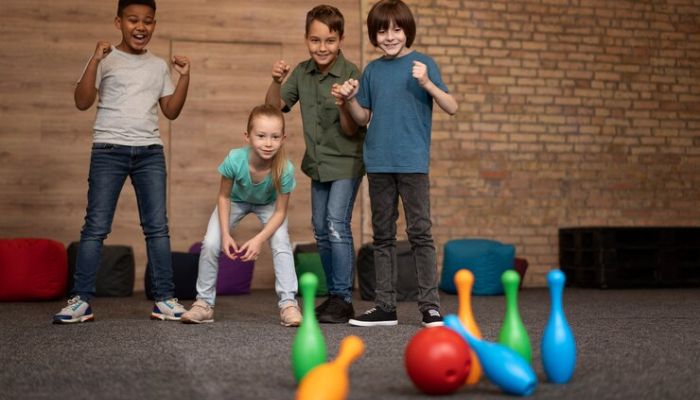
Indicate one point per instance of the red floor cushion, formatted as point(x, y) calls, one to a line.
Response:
point(32, 269)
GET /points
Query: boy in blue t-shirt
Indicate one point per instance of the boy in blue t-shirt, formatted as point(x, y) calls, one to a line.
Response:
point(131, 83)
point(395, 97)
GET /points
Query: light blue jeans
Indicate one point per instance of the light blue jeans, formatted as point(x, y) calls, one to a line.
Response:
point(282, 259)
point(331, 204)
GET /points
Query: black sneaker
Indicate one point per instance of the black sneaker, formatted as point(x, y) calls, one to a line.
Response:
point(319, 308)
point(338, 311)
point(375, 317)
point(431, 318)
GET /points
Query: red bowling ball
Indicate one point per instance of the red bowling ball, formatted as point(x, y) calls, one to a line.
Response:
point(437, 360)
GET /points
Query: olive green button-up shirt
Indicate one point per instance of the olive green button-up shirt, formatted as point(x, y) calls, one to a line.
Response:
point(330, 153)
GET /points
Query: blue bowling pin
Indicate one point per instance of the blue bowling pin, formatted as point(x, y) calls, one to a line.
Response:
point(558, 344)
point(504, 367)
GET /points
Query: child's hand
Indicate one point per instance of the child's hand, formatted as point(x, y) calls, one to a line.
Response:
point(346, 91)
point(229, 247)
point(101, 50)
point(181, 65)
point(280, 71)
point(250, 250)
point(335, 91)
point(420, 72)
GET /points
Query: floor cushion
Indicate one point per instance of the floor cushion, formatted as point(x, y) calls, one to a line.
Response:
point(486, 259)
point(185, 270)
point(32, 269)
point(307, 259)
point(115, 277)
point(407, 281)
point(235, 276)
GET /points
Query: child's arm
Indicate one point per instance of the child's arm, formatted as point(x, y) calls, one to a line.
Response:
point(279, 72)
point(85, 92)
point(224, 203)
point(172, 105)
point(347, 124)
point(251, 248)
point(442, 98)
point(346, 93)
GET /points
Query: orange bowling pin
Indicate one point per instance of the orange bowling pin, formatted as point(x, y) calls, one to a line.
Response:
point(330, 381)
point(464, 280)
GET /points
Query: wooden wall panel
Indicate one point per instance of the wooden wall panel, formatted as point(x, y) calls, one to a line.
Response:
point(45, 141)
point(229, 82)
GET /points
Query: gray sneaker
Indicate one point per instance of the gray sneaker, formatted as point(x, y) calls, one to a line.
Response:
point(169, 310)
point(200, 313)
point(75, 312)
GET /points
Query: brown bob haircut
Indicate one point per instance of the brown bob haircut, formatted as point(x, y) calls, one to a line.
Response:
point(385, 11)
point(327, 15)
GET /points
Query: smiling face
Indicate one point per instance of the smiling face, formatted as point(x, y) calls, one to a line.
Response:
point(137, 23)
point(392, 41)
point(323, 45)
point(266, 136)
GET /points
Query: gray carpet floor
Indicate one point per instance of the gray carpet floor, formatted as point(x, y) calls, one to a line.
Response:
point(632, 344)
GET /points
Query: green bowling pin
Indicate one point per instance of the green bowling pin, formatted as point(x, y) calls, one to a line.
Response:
point(308, 347)
point(513, 333)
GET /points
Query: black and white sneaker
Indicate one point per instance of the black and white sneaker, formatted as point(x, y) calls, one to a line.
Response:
point(431, 318)
point(375, 317)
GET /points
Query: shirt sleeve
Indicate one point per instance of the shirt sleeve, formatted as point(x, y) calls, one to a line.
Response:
point(168, 87)
point(435, 76)
point(289, 93)
point(363, 95)
point(227, 168)
point(288, 181)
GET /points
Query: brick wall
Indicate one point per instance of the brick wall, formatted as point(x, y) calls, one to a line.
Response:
point(572, 113)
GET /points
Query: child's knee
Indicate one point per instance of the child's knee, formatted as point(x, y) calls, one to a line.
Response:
point(211, 245)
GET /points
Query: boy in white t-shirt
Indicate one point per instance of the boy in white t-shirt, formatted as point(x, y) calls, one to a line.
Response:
point(131, 83)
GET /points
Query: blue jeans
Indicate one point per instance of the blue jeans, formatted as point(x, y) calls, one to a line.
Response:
point(110, 164)
point(282, 259)
point(331, 214)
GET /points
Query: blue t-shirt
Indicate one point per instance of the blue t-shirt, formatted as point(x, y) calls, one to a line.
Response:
point(398, 136)
point(235, 167)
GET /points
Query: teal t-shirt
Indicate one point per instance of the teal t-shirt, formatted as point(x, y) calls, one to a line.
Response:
point(235, 167)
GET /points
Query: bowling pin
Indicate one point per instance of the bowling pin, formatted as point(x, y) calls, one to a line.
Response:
point(464, 281)
point(330, 381)
point(308, 347)
point(504, 367)
point(513, 334)
point(558, 344)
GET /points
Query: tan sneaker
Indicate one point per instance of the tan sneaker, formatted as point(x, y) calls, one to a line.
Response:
point(199, 313)
point(290, 315)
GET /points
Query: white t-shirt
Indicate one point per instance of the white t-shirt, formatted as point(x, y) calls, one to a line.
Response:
point(130, 86)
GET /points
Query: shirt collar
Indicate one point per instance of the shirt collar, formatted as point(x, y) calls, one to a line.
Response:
point(336, 69)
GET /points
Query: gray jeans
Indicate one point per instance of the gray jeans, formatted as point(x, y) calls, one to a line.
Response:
point(384, 192)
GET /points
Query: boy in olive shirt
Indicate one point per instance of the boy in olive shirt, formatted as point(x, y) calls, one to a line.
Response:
point(333, 156)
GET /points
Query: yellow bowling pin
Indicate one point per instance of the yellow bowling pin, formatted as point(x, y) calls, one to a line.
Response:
point(330, 381)
point(464, 280)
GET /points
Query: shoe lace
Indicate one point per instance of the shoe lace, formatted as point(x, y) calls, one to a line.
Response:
point(72, 302)
point(203, 306)
point(371, 311)
point(174, 302)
